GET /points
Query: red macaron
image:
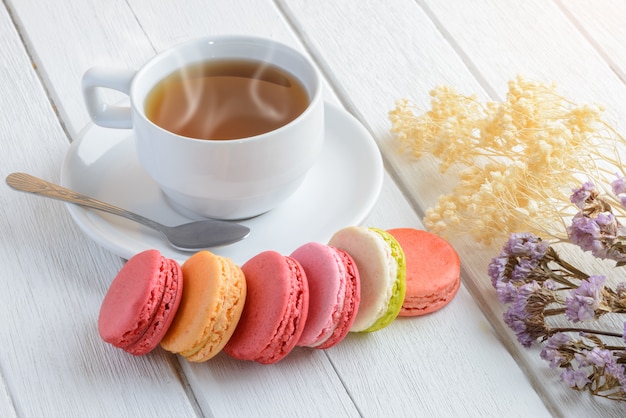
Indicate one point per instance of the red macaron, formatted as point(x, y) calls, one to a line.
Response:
point(141, 302)
point(275, 311)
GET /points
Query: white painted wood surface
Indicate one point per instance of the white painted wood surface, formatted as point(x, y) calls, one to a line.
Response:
point(460, 361)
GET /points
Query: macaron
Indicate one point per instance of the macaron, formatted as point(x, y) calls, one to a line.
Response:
point(141, 302)
point(381, 266)
point(213, 299)
point(433, 271)
point(334, 294)
point(276, 309)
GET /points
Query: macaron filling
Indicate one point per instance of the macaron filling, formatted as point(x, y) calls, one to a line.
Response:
point(419, 305)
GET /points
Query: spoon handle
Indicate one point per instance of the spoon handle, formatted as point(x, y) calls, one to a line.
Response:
point(27, 183)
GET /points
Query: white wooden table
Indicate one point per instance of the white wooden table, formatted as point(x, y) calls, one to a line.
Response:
point(460, 361)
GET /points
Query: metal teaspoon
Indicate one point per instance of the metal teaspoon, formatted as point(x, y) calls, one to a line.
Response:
point(191, 236)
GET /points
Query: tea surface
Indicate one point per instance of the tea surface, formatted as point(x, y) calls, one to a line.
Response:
point(229, 99)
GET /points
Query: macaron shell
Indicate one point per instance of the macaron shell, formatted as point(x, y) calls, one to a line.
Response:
point(378, 272)
point(332, 278)
point(134, 304)
point(275, 312)
point(433, 271)
point(213, 297)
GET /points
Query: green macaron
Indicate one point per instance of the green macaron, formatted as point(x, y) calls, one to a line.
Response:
point(382, 269)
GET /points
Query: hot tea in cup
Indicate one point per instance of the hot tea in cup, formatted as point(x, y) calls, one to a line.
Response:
point(227, 126)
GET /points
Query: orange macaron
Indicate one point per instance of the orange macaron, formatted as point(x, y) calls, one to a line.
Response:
point(214, 295)
point(433, 271)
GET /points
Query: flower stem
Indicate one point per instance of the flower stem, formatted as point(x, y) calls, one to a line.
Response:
point(568, 266)
point(586, 330)
point(555, 311)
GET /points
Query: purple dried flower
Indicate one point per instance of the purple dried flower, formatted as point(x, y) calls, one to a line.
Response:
point(574, 378)
point(520, 255)
point(496, 269)
point(617, 370)
point(549, 284)
point(506, 291)
point(598, 234)
point(598, 357)
point(552, 350)
point(583, 301)
point(516, 320)
point(525, 315)
point(580, 195)
point(525, 244)
point(585, 232)
point(619, 185)
point(604, 360)
point(523, 269)
point(595, 228)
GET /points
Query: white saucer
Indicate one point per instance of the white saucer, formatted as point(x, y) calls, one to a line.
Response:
point(340, 190)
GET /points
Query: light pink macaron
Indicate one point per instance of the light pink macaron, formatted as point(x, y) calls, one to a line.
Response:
point(334, 289)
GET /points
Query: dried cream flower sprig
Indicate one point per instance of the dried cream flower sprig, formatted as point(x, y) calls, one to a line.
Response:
point(517, 159)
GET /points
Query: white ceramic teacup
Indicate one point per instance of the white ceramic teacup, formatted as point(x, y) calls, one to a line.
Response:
point(232, 179)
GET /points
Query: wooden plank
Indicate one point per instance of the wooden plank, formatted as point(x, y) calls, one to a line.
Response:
point(51, 357)
point(7, 409)
point(476, 46)
point(79, 35)
point(602, 24)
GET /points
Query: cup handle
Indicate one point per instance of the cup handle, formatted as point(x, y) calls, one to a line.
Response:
point(102, 113)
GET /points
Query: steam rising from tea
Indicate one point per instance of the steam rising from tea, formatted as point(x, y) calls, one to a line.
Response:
point(229, 99)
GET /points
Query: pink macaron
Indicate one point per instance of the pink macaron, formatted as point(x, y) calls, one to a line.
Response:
point(275, 311)
point(141, 302)
point(334, 288)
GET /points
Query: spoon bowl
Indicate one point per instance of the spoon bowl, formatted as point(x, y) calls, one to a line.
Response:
point(193, 236)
